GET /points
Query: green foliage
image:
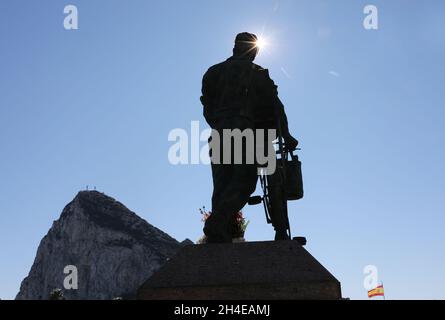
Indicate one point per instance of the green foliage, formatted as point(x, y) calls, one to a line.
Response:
point(56, 294)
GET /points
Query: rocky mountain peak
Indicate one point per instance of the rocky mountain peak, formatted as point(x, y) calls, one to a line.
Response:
point(112, 248)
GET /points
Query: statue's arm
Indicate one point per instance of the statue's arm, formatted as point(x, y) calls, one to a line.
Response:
point(207, 92)
point(290, 141)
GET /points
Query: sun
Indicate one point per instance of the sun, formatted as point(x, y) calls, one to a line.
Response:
point(261, 43)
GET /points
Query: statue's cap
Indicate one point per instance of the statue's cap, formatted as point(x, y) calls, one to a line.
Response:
point(245, 37)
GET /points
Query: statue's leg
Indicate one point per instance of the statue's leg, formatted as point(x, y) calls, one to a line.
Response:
point(233, 185)
point(278, 206)
point(217, 226)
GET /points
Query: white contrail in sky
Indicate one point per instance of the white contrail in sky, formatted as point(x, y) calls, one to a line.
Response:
point(277, 5)
point(285, 73)
point(334, 73)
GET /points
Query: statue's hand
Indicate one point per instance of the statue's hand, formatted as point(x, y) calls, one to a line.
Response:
point(290, 142)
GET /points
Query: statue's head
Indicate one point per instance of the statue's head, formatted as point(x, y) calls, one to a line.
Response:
point(246, 46)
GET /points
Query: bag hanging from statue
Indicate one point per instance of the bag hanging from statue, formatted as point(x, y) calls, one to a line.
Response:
point(294, 178)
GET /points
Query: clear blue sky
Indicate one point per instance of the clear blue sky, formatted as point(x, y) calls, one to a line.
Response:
point(95, 106)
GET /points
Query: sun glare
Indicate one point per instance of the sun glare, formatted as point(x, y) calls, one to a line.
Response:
point(261, 43)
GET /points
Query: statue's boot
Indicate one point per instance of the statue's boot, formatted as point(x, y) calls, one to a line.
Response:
point(218, 229)
point(281, 235)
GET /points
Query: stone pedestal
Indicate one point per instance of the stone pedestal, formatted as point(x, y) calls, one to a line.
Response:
point(242, 271)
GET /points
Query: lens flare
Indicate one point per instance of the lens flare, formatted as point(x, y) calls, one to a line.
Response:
point(261, 43)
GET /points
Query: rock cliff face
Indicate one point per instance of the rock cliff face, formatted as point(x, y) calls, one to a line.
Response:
point(113, 250)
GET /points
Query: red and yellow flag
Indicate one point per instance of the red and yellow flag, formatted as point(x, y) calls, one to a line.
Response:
point(379, 291)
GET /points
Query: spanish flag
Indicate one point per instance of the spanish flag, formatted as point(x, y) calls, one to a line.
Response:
point(379, 291)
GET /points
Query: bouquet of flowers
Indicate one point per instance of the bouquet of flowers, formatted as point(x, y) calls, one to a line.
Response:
point(239, 225)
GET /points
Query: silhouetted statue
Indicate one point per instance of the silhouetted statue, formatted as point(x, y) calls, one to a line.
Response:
point(238, 94)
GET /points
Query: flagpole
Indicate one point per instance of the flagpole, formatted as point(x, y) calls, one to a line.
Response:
point(384, 297)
